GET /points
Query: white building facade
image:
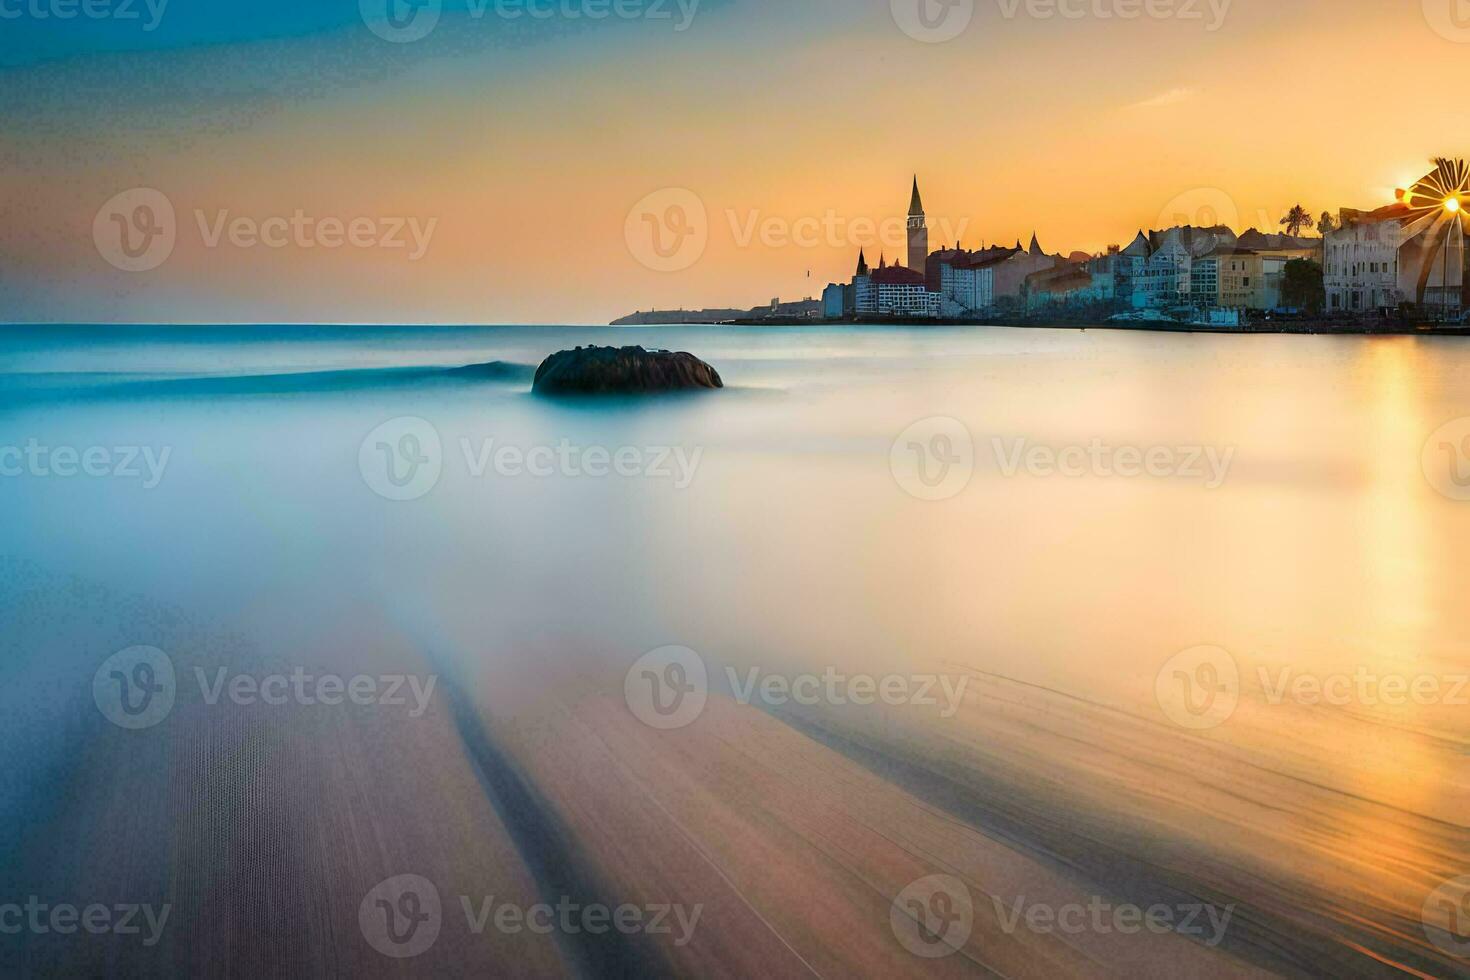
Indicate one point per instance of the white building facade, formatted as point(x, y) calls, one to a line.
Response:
point(972, 289)
point(1361, 270)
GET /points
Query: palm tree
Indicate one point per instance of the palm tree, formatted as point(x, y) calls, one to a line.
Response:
point(1296, 219)
point(1326, 224)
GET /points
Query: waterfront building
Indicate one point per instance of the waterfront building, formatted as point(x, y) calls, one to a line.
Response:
point(834, 303)
point(1129, 268)
point(918, 229)
point(1412, 251)
point(966, 280)
point(1245, 280)
point(1164, 281)
point(1066, 285)
point(1252, 281)
point(864, 294)
point(1011, 271)
point(898, 291)
point(1204, 280)
point(1361, 260)
point(889, 290)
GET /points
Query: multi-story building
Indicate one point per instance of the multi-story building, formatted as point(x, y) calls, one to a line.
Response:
point(834, 301)
point(1067, 284)
point(1010, 272)
point(1204, 280)
point(891, 290)
point(968, 286)
point(1129, 266)
point(1241, 281)
point(1361, 260)
point(903, 292)
point(966, 280)
point(1251, 280)
point(1164, 281)
point(1412, 251)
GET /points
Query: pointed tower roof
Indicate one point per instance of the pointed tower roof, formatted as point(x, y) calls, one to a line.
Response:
point(1035, 245)
point(916, 204)
point(882, 261)
point(1139, 247)
point(862, 268)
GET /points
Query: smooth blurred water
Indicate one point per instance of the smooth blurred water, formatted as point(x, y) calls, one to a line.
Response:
point(1326, 548)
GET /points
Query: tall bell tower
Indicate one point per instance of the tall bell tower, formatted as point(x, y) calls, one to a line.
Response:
point(918, 232)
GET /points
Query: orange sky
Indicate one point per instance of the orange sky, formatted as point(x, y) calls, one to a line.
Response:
point(530, 156)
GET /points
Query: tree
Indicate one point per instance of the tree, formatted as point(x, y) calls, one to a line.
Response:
point(1326, 224)
point(1296, 219)
point(1302, 287)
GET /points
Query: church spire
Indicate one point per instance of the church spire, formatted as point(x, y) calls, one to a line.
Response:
point(916, 204)
point(1035, 245)
point(862, 268)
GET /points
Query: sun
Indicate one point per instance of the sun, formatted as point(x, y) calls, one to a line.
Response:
point(1452, 205)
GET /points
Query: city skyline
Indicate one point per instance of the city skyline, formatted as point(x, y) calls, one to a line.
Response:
point(1045, 126)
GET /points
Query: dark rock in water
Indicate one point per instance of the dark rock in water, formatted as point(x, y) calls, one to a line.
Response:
point(625, 370)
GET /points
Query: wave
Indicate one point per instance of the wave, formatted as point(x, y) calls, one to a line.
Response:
point(90, 386)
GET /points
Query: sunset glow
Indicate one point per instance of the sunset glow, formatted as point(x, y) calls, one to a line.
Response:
point(770, 113)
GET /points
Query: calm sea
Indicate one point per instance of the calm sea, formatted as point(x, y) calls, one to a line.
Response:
point(1206, 595)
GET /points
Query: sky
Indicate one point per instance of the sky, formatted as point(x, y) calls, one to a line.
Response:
point(529, 161)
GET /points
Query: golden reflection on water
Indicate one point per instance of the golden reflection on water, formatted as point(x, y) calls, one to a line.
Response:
point(1323, 551)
